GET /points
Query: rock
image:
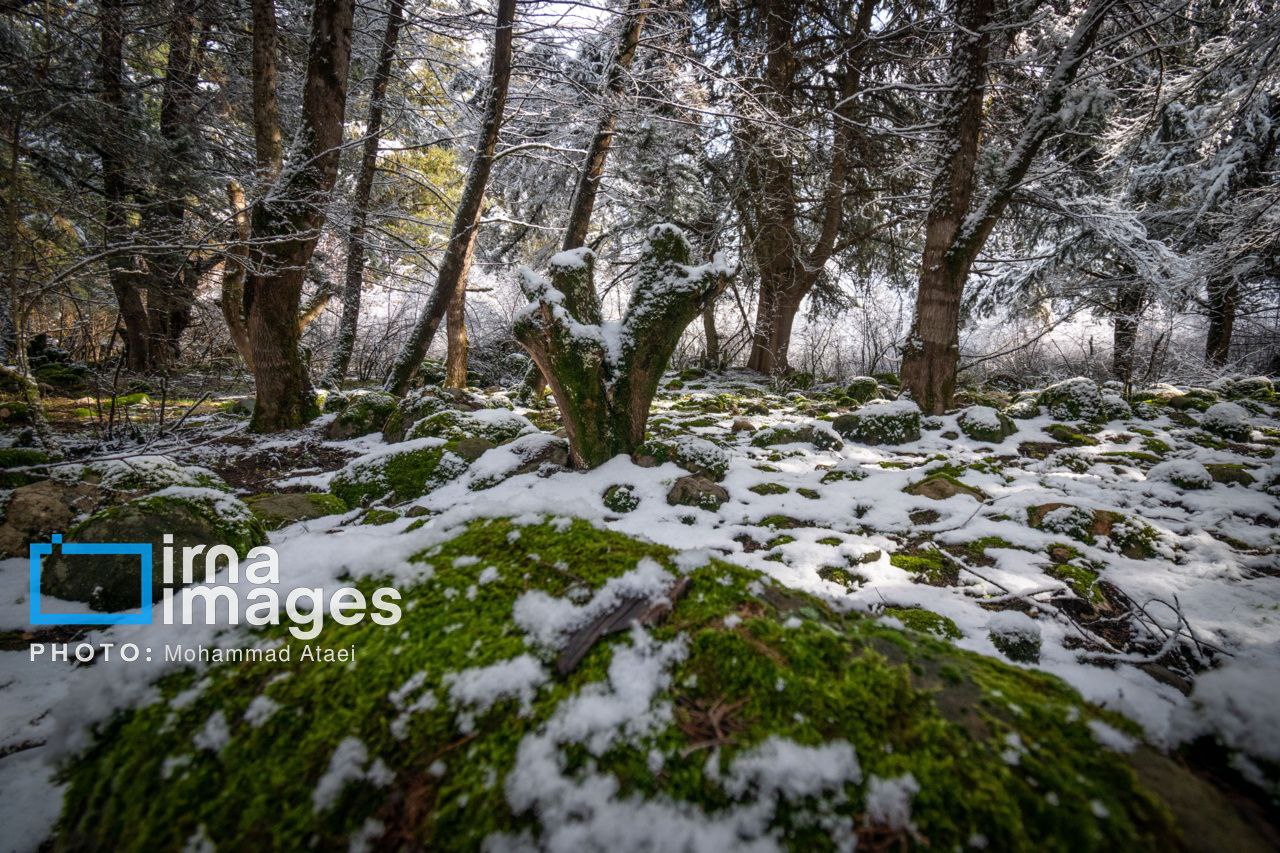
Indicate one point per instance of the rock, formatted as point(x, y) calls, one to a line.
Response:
point(1069, 436)
point(363, 413)
point(861, 389)
point(1073, 399)
point(1015, 635)
point(1229, 420)
point(1253, 388)
point(422, 403)
point(536, 452)
point(742, 425)
point(406, 471)
point(818, 433)
point(496, 426)
point(1024, 407)
point(1183, 473)
point(939, 487)
point(14, 459)
point(69, 380)
point(696, 490)
point(38, 510)
point(281, 509)
point(471, 447)
point(1230, 473)
point(881, 422)
point(689, 452)
point(951, 716)
point(194, 516)
point(983, 423)
point(139, 475)
point(621, 498)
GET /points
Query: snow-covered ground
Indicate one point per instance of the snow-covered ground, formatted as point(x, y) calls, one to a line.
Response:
point(1207, 580)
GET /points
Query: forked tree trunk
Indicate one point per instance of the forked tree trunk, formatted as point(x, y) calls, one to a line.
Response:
point(287, 221)
point(353, 280)
point(787, 270)
point(1224, 295)
point(466, 221)
point(956, 229)
point(122, 272)
point(603, 376)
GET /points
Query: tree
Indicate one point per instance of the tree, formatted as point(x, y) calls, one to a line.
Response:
point(956, 228)
point(285, 220)
point(353, 281)
point(604, 375)
point(466, 223)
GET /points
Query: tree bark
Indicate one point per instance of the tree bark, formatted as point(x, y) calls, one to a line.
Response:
point(234, 273)
point(457, 256)
point(455, 363)
point(1130, 297)
point(170, 283)
point(353, 281)
point(604, 392)
point(787, 271)
point(711, 356)
point(122, 271)
point(1224, 295)
point(955, 229)
point(286, 222)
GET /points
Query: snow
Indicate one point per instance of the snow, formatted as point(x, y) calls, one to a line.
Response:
point(480, 687)
point(889, 800)
point(349, 763)
point(548, 621)
point(781, 769)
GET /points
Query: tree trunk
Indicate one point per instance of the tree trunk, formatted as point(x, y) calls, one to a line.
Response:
point(353, 281)
point(457, 255)
point(604, 394)
point(711, 355)
point(286, 222)
point(584, 194)
point(787, 271)
point(170, 283)
point(235, 272)
point(1130, 297)
point(125, 278)
point(455, 366)
point(10, 303)
point(955, 230)
point(1224, 295)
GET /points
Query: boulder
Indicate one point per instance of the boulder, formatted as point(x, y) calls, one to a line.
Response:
point(881, 422)
point(983, 423)
point(696, 490)
point(537, 452)
point(362, 413)
point(280, 509)
point(689, 452)
point(37, 510)
point(1229, 420)
point(818, 433)
point(402, 472)
point(194, 516)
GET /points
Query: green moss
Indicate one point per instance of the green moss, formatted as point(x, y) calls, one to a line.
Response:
point(1136, 456)
point(929, 566)
point(278, 510)
point(842, 576)
point(837, 475)
point(769, 489)
point(379, 516)
point(781, 539)
point(811, 494)
point(1226, 472)
point(20, 457)
point(925, 621)
point(621, 498)
point(401, 476)
point(1069, 436)
point(1155, 446)
point(1082, 580)
point(787, 668)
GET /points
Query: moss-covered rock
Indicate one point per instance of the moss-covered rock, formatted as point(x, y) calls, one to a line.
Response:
point(34, 511)
point(1183, 473)
point(940, 485)
point(881, 422)
point(406, 471)
point(1230, 473)
point(750, 715)
point(621, 497)
point(692, 453)
point(194, 516)
point(698, 491)
point(12, 462)
point(925, 621)
point(1070, 436)
point(67, 379)
point(1252, 388)
point(536, 452)
point(144, 474)
point(862, 389)
point(1024, 407)
point(1131, 537)
point(820, 435)
point(1229, 420)
point(983, 423)
point(363, 412)
point(424, 402)
point(1015, 635)
point(1078, 399)
point(494, 425)
point(280, 509)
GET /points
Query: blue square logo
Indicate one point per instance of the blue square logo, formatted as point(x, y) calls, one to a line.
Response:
point(141, 549)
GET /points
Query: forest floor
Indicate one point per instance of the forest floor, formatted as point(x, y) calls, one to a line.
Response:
point(1131, 550)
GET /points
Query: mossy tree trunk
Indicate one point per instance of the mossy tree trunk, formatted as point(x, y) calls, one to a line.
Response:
point(604, 376)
